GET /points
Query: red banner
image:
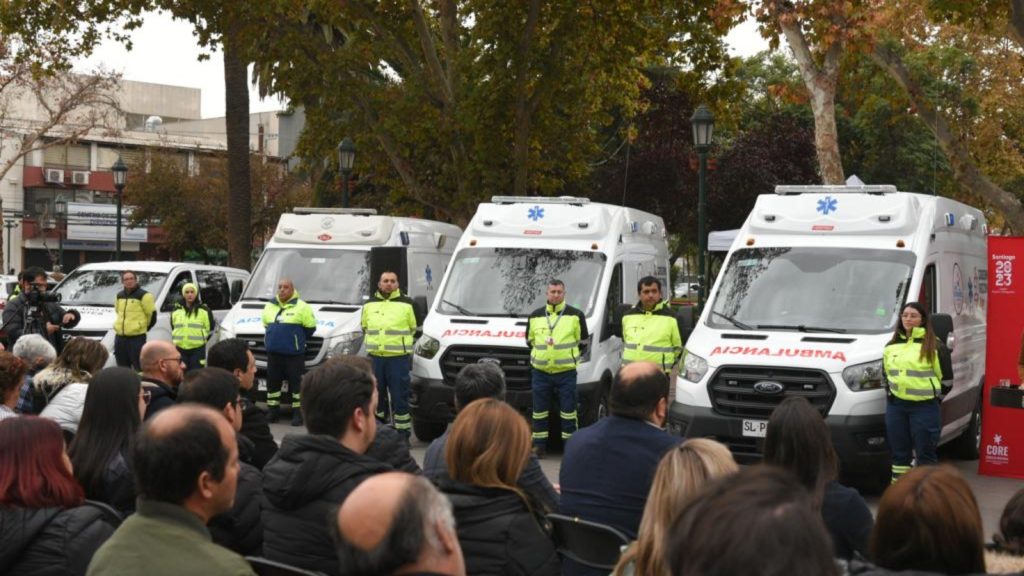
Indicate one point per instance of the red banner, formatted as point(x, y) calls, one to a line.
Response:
point(1002, 441)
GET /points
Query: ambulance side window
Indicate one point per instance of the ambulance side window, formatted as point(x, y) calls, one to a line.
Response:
point(928, 296)
point(613, 303)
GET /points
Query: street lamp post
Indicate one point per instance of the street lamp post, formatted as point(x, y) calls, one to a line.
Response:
point(120, 175)
point(10, 224)
point(346, 158)
point(703, 122)
point(62, 212)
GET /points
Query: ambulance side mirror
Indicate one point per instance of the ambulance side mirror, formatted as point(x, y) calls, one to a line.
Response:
point(942, 325)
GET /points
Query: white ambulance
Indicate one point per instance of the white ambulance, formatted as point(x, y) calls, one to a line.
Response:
point(499, 274)
point(334, 256)
point(806, 300)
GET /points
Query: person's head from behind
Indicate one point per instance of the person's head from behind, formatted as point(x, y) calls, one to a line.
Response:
point(1010, 537)
point(489, 445)
point(35, 472)
point(413, 529)
point(113, 411)
point(187, 455)
point(648, 289)
point(798, 440)
point(35, 350)
point(12, 375)
point(234, 356)
point(82, 357)
point(757, 521)
point(476, 381)
point(216, 388)
point(682, 474)
point(640, 392)
point(161, 361)
point(929, 521)
point(339, 401)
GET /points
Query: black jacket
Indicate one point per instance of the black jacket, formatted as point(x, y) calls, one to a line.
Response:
point(389, 447)
point(118, 489)
point(256, 428)
point(309, 477)
point(53, 541)
point(14, 321)
point(499, 534)
point(240, 529)
point(162, 396)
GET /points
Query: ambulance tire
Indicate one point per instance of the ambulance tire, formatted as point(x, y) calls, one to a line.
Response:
point(597, 407)
point(428, 431)
point(967, 445)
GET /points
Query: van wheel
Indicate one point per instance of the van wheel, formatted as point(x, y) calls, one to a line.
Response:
point(598, 405)
point(967, 445)
point(427, 431)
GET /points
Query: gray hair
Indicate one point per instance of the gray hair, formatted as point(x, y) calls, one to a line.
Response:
point(412, 529)
point(31, 347)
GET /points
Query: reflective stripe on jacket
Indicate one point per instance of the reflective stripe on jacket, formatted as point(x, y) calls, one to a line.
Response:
point(558, 350)
point(287, 325)
point(651, 335)
point(190, 329)
point(136, 313)
point(910, 377)
point(389, 323)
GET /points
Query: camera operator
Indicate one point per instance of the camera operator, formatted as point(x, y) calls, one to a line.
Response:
point(35, 311)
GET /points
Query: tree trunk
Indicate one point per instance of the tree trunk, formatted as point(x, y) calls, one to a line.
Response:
point(965, 171)
point(523, 112)
point(236, 111)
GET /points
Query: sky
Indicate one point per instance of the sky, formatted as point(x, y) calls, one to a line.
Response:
point(165, 52)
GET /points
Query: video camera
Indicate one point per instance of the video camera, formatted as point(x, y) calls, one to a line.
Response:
point(36, 297)
point(35, 310)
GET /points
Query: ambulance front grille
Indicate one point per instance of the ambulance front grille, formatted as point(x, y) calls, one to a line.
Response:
point(514, 362)
point(734, 390)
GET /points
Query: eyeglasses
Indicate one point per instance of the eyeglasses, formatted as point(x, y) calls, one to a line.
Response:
point(40, 285)
point(176, 360)
point(147, 396)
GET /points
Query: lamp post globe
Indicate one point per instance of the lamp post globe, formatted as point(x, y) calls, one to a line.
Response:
point(120, 171)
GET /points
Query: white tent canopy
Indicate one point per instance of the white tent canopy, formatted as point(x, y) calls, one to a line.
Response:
point(721, 240)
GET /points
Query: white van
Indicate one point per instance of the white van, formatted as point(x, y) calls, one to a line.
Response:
point(92, 288)
point(333, 256)
point(807, 299)
point(499, 274)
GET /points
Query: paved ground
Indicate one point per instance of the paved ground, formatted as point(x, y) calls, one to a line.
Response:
point(992, 493)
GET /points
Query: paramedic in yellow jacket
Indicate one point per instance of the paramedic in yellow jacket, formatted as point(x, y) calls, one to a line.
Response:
point(288, 322)
point(912, 364)
point(650, 330)
point(555, 333)
point(136, 314)
point(389, 326)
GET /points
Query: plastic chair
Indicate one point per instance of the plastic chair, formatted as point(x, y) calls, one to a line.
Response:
point(587, 543)
point(264, 567)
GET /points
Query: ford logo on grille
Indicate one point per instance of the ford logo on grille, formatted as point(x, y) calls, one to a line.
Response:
point(768, 387)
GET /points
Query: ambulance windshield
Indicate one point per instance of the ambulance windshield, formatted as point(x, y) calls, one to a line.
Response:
point(513, 281)
point(320, 276)
point(812, 290)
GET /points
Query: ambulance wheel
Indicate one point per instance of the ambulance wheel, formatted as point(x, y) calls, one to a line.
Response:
point(428, 431)
point(597, 407)
point(967, 446)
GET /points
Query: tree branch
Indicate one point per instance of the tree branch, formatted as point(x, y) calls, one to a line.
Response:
point(430, 54)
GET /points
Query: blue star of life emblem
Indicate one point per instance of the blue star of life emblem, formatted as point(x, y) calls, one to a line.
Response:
point(827, 204)
point(535, 213)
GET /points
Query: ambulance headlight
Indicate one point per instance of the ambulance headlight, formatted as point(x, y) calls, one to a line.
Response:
point(426, 347)
point(694, 367)
point(346, 344)
point(867, 376)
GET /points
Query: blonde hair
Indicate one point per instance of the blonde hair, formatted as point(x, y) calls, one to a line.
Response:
point(489, 445)
point(682, 473)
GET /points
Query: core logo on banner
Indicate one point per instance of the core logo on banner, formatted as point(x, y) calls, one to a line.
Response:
point(1004, 398)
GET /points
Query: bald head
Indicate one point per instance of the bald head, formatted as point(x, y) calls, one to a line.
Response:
point(413, 528)
point(639, 391)
point(378, 497)
point(161, 361)
point(155, 350)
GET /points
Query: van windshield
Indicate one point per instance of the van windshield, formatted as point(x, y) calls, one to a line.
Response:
point(100, 287)
point(513, 281)
point(320, 276)
point(812, 290)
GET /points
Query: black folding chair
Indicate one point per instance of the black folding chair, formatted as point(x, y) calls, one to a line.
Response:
point(264, 567)
point(587, 543)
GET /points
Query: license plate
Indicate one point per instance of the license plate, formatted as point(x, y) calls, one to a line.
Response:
point(755, 428)
point(261, 384)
